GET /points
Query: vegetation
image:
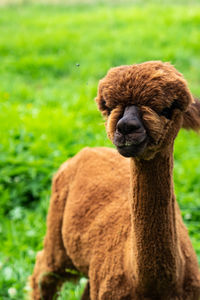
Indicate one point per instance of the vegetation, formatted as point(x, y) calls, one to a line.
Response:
point(51, 60)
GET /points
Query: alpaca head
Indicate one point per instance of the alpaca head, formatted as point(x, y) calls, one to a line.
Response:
point(144, 106)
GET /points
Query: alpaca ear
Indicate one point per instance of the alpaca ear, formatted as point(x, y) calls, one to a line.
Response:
point(191, 117)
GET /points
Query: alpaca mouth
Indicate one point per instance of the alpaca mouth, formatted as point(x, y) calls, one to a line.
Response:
point(131, 149)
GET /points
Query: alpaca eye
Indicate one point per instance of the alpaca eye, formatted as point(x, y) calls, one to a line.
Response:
point(105, 107)
point(166, 112)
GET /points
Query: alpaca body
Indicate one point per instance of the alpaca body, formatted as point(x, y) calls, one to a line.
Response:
point(97, 231)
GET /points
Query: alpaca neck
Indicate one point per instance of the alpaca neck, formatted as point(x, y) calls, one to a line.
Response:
point(156, 258)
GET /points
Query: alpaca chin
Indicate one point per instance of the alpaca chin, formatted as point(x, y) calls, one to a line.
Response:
point(132, 150)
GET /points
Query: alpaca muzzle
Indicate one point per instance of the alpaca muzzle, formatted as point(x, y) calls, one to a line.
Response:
point(130, 136)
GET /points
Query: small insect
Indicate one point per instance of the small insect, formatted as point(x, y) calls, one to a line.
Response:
point(78, 65)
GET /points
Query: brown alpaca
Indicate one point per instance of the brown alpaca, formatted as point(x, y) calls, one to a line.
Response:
point(115, 219)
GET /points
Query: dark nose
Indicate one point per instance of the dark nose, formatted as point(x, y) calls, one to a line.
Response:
point(128, 125)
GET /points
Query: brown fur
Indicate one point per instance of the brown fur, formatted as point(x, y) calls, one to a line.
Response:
point(115, 219)
point(192, 116)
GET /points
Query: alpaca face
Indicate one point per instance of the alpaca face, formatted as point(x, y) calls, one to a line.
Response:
point(143, 106)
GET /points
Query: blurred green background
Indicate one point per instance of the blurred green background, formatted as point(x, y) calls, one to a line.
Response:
point(52, 56)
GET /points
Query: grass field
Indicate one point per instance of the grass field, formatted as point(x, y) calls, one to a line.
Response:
point(51, 60)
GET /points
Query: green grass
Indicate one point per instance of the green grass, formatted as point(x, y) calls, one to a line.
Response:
point(51, 60)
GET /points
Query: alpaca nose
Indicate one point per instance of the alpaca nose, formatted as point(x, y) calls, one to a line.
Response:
point(126, 125)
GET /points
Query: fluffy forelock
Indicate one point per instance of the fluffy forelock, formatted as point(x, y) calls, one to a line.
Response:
point(155, 84)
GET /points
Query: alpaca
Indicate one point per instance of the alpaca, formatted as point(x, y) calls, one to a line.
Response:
point(113, 214)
